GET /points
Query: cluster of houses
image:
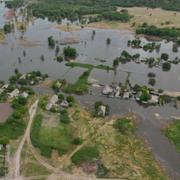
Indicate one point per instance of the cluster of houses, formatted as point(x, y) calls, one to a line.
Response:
point(32, 78)
point(128, 93)
point(14, 93)
point(54, 102)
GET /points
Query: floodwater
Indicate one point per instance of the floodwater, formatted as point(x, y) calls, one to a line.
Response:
point(92, 51)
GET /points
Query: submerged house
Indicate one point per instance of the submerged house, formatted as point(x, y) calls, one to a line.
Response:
point(107, 90)
point(64, 104)
point(102, 110)
point(154, 99)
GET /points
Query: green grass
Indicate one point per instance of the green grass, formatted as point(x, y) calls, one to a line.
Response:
point(80, 86)
point(57, 137)
point(85, 154)
point(15, 124)
point(89, 66)
point(48, 138)
point(29, 165)
point(173, 133)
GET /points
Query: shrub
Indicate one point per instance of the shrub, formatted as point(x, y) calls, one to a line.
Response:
point(77, 141)
point(64, 117)
point(152, 81)
point(70, 99)
point(85, 154)
point(166, 66)
point(124, 125)
point(70, 52)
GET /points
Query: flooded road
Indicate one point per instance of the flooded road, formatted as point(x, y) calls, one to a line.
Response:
point(35, 44)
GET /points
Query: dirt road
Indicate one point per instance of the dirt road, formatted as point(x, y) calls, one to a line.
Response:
point(17, 157)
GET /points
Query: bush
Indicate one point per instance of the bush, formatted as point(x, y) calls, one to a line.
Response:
point(4, 140)
point(61, 97)
point(59, 59)
point(124, 125)
point(51, 42)
point(85, 154)
point(151, 75)
point(70, 99)
point(70, 52)
point(166, 66)
point(152, 81)
point(164, 56)
point(64, 117)
point(77, 141)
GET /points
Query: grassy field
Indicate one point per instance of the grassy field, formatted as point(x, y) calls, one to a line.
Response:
point(124, 155)
point(48, 137)
point(56, 137)
point(30, 166)
point(118, 154)
point(2, 36)
point(173, 133)
point(157, 17)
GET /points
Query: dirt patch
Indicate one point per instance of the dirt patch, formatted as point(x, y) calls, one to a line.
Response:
point(27, 43)
point(50, 120)
point(110, 25)
point(9, 14)
point(2, 37)
point(5, 111)
point(171, 93)
point(45, 84)
point(69, 40)
point(67, 28)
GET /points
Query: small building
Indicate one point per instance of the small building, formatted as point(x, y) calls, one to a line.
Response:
point(14, 93)
point(117, 91)
point(23, 76)
point(25, 94)
point(102, 110)
point(1, 90)
point(64, 104)
point(126, 95)
point(154, 99)
point(52, 102)
point(107, 90)
point(5, 86)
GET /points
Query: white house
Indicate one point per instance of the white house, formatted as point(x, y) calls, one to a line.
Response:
point(25, 94)
point(52, 102)
point(107, 90)
point(14, 93)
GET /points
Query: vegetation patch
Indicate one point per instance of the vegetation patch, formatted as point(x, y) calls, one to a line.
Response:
point(173, 133)
point(146, 29)
point(89, 66)
point(116, 151)
point(49, 138)
point(80, 86)
point(85, 154)
point(30, 166)
point(15, 124)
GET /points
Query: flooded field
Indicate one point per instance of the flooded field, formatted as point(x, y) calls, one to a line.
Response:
point(24, 51)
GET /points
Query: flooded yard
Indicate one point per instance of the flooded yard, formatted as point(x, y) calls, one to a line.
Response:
point(5, 111)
